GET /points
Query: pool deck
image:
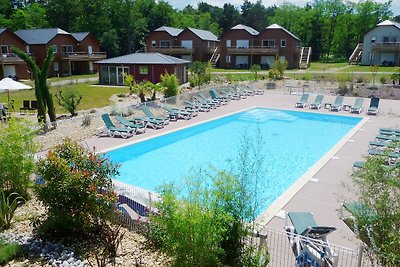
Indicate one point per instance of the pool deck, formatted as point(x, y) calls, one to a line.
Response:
point(331, 185)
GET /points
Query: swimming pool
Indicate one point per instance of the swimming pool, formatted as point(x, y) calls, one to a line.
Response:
point(293, 142)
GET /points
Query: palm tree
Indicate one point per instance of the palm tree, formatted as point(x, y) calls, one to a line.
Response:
point(42, 93)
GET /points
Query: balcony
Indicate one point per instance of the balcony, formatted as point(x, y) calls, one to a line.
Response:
point(386, 47)
point(171, 50)
point(10, 58)
point(83, 56)
point(255, 50)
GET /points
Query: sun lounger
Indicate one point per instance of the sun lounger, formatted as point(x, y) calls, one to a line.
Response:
point(206, 102)
point(209, 100)
point(390, 154)
point(137, 128)
point(358, 105)
point(231, 94)
point(305, 237)
point(350, 211)
point(215, 95)
point(394, 130)
point(112, 130)
point(150, 115)
point(373, 106)
point(337, 104)
point(388, 137)
point(175, 113)
point(393, 133)
point(303, 101)
point(245, 91)
point(152, 123)
point(197, 105)
point(317, 102)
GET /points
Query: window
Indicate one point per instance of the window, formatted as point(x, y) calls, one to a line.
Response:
point(55, 48)
point(27, 49)
point(144, 70)
point(228, 43)
point(283, 43)
point(55, 66)
point(228, 59)
point(385, 39)
point(242, 43)
point(268, 43)
point(165, 44)
point(153, 43)
point(373, 39)
point(5, 50)
point(67, 49)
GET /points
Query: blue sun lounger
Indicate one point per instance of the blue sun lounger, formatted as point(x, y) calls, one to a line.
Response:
point(373, 106)
point(112, 130)
point(337, 105)
point(358, 105)
point(303, 101)
point(317, 102)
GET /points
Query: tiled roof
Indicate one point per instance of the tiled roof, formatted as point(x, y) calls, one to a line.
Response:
point(276, 26)
point(39, 36)
point(204, 35)
point(389, 23)
point(79, 36)
point(144, 58)
point(246, 28)
point(172, 31)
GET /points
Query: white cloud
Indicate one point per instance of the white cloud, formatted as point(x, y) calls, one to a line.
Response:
point(181, 4)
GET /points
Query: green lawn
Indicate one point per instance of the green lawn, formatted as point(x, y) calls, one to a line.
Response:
point(74, 77)
point(355, 68)
point(319, 66)
point(93, 96)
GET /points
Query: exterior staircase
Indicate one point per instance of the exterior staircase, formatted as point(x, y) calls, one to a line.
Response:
point(356, 55)
point(305, 57)
point(215, 57)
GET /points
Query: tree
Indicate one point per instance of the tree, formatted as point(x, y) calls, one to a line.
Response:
point(200, 72)
point(230, 17)
point(42, 93)
point(62, 13)
point(170, 83)
point(255, 68)
point(129, 80)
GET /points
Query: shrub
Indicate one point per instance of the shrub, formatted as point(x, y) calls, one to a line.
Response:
point(255, 68)
point(8, 252)
point(16, 155)
point(77, 191)
point(280, 67)
point(204, 224)
point(69, 100)
point(86, 119)
point(200, 73)
point(170, 82)
point(8, 205)
point(383, 80)
point(273, 74)
point(379, 194)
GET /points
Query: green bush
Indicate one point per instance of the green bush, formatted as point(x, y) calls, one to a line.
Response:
point(170, 82)
point(8, 252)
point(279, 67)
point(378, 223)
point(202, 224)
point(16, 155)
point(77, 191)
point(8, 205)
point(69, 100)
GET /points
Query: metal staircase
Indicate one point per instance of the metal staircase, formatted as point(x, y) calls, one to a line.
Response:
point(356, 55)
point(305, 57)
point(215, 57)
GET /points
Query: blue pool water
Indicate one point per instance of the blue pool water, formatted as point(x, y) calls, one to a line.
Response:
point(292, 142)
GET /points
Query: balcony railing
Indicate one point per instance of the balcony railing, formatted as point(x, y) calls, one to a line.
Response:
point(10, 58)
point(264, 50)
point(386, 46)
point(170, 50)
point(76, 56)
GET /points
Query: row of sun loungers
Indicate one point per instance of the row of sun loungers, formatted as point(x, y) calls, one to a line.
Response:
point(337, 105)
point(200, 103)
point(387, 144)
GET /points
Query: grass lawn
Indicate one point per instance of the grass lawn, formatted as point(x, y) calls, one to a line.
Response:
point(74, 77)
point(356, 68)
point(227, 70)
point(319, 66)
point(93, 96)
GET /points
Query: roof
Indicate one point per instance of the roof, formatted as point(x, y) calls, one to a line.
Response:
point(389, 23)
point(39, 36)
point(172, 31)
point(79, 36)
point(246, 28)
point(204, 35)
point(276, 26)
point(2, 30)
point(144, 58)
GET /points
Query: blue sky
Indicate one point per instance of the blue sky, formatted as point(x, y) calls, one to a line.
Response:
point(182, 3)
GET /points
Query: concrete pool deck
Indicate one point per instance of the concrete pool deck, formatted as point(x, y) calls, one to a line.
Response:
point(322, 195)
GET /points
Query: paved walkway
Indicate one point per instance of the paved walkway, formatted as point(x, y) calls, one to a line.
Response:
point(324, 194)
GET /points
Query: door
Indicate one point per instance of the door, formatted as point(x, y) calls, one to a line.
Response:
point(242, 62)
point(90, 49)
point(188, 44)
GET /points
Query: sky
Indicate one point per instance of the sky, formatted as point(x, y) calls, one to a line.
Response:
point(179, 4)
